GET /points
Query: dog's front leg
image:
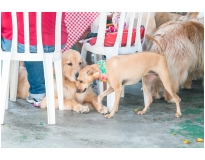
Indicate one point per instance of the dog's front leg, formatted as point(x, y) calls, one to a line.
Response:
point(92, 99)
point(116, 103)
point(75, 106)
point(105, 93)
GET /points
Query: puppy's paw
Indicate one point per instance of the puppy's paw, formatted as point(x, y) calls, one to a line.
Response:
point(178, 114)
point(43, 104)
point(108, 116)
point(81, 109)
point(104, 110)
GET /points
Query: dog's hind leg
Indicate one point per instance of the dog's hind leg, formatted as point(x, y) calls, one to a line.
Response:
point(165, 78)
point(147, 84)
point(44, 103)
point(187, 84)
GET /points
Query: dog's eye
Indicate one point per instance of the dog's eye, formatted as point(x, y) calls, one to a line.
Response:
point(81, 81)
point(80, 63)
point(70, 64)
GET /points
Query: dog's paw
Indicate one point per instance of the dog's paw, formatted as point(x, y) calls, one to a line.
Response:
point(141, 112)
point(108, 116)
point(43, 104)
point(185, 87)
point(178, 115)
point(156, 96)
point(170, 100)
point(82, 109)
point(104, 110)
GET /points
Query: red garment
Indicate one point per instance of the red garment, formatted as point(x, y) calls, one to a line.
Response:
point(48, 29)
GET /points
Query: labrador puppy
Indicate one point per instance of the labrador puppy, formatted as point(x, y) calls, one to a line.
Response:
point(72, 63)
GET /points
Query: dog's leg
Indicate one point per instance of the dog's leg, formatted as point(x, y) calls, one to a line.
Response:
point(187, 84)
point(147, 84)
point(44, 104)
point(165, 78)
point(156, 89)
point(105, 93)
point(92, 99)
point(75, 106)
point(168, 97)
point(118, 92)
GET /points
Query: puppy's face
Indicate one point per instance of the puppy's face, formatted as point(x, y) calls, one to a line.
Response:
point(72, 63)
point(86, 76)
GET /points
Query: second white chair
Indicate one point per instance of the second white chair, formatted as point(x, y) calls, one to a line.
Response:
point(100, 49)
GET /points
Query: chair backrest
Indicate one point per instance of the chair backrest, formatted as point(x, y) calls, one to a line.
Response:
point(27, 56)
point(129, 18)
point(102, 28)
point(134, 21)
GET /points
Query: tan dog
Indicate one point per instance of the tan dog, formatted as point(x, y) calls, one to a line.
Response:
point(128, 70)
point(163, 17)
point(183, 46)
point(72, 63)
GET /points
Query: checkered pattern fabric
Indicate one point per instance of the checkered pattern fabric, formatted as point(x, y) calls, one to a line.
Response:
point(77, 23)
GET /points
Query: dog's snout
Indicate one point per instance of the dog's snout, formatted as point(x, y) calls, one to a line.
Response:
point(76, 75)
point(80, 91)
point(77, 90)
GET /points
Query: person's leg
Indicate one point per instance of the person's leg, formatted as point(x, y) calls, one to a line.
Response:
point(35, 77)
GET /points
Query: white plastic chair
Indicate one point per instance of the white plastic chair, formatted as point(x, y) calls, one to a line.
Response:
point(11, 63)
point(100, 49)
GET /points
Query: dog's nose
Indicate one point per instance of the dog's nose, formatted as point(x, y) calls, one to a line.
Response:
point(76, 75)
point(77, 90)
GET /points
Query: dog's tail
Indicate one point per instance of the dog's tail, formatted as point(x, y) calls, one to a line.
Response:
point(153, 39)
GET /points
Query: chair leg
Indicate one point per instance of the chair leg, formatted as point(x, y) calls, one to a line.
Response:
point(110, 100)
point(100, 87)
point(48, 73)
point(123, 91)
point(13, 80)
point(83, 53)
point(7, 97)
point(59, 82)
point(4, 84)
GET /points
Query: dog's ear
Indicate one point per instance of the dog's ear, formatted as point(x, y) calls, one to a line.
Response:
point(91, 71)
point(94, 72)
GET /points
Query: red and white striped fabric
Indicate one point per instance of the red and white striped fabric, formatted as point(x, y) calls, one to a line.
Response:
point(77, 23)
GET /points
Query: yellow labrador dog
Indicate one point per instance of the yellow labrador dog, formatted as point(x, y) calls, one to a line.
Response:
point(72, 63)
point(128, 70)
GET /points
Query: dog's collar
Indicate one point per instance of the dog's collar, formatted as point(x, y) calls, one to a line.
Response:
point(102, 67)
